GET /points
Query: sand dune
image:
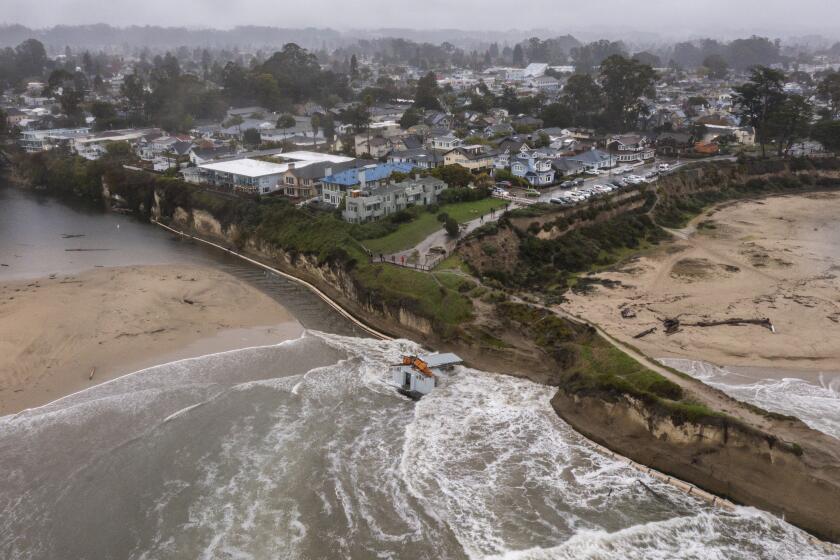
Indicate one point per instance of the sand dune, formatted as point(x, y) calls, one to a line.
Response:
point(55, 331)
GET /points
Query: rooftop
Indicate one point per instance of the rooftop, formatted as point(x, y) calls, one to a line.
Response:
point(247, 167)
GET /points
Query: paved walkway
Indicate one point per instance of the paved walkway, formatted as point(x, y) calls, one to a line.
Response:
point(440, 238)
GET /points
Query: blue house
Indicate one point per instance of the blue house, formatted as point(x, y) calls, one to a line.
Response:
point(335, 187)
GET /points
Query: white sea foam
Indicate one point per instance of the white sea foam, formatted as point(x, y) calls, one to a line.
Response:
point(330, 461)
point(816, 405)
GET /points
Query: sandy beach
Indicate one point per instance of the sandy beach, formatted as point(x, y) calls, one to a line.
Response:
point(775, 258)
point(55, 331)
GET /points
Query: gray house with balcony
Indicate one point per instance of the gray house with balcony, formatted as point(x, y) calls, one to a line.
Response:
point(377, 202)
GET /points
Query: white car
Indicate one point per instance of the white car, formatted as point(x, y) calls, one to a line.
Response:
point(664, 167)
point(595, 172)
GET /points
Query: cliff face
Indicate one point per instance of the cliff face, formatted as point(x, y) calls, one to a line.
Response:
point(332, 279)
point(730, 460)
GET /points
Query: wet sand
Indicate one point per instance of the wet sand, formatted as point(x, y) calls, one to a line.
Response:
point(55, 331)
point(776, 258)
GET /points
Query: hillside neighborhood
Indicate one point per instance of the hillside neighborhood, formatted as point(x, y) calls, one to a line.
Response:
point(517, 121)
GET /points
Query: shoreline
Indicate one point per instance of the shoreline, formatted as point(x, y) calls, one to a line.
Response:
point(62, 335)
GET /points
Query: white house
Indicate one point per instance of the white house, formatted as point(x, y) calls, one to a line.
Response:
point(244, 175)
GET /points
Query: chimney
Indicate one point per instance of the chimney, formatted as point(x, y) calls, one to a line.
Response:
point(362, 181)
point(291, 165)
point(327, 171)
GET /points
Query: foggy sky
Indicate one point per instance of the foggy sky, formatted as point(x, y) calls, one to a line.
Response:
point(666, 17)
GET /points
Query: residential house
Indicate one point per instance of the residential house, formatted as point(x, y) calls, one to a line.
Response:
point(14, 116)
point(630, 148)
point(594, 160)
point(674, 143)
point(438, 119)
point(497, 130)
point(150, 148)
point(302, 180)
point(204, 155)
point(565, 167)
point(527, 121)
point(375, 146)
point(335, 187)
point(476, 158)
point(245, 175)
point(446, 142)
point(421, 158)
point(41, 140)
point(372, 203)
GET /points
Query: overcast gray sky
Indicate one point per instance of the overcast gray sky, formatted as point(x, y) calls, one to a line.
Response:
point(664, 16)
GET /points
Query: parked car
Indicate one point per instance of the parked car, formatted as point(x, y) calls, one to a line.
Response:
point(595, 172)
point(664, 167)
point(568, 184)
point(501, 192)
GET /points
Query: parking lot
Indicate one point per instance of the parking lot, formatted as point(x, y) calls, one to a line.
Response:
point(575, 191)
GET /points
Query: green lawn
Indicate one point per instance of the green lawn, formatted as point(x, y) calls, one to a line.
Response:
point(410, 234)
point(403, 286)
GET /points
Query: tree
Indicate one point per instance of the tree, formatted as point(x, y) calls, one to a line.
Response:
point(251, 137)
point(758, 99)
point(453, 175)
point(105, 115)
point(354, 68)
point(584, 98)
point(518, 56)
point(451, 227)
point(828, 90)
point(119, 151)
point(557, 114)
point(426, 96)
point(315, 122)
point(827, 133)
point(625, 82)
point(4, 125)
point(30, 58)
point(134, 91)
point(328, 126)
point(717, 66)
point(285, 122)
point(71, 101)
point(648, 58)
point(358, 117)
point(588, 57)
point(411, 117)
point(791, 122)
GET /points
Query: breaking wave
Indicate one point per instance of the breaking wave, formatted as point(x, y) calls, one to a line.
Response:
point(816, 405)
point(303, 450)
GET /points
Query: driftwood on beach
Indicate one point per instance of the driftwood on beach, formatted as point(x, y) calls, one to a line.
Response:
point(672, 325)
point(645, 333)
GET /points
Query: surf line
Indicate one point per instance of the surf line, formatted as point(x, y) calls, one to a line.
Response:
point(691, 490)
point(329, 301)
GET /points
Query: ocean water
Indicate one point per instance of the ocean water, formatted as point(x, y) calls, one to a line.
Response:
point(816, 402)
point(303, 450)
